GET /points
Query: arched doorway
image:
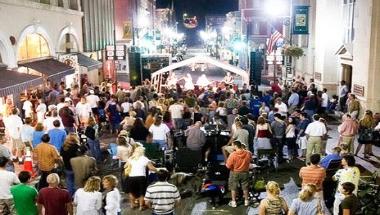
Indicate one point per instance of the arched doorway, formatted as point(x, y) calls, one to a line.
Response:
point(33, 46)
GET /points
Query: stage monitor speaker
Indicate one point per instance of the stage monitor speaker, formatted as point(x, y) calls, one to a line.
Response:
point(135, 76)
point(187, 160)
point(255, 67)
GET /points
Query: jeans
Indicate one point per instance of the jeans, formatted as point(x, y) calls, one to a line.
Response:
point(69, 130)
point(278, 145)
point(292, 147)
point(310, 113)
point(178, 123)
point(160, 143)
point(94, 146)
point(70, 184)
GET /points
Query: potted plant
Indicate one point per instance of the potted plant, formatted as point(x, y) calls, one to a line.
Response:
point(293, 51)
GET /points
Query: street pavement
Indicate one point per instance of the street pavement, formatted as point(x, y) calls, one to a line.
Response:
point(287, 177)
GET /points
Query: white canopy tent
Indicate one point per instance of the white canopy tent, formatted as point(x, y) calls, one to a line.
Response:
point(198, 60)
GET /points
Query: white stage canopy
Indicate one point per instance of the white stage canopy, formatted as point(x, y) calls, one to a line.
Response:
point(204, 59)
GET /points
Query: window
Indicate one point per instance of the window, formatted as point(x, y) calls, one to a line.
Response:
point(74, 4)
point(33, 46)
point(348, 21)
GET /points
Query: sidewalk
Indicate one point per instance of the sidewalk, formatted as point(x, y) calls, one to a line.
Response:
point(371, 165)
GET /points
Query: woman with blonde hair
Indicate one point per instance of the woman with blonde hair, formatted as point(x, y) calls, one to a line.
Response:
point(69, 150)
point(366, 126)
point(136, 182)
point(111, 196)
point(88, 200)
point(273, 204)
point(306, 203)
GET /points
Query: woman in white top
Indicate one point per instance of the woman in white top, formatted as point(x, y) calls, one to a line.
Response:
point(136, 182)
point(111, 196)
point(88, 200)
point(222, 111)
point(290, 137)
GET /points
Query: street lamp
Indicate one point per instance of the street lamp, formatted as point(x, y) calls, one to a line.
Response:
point(278, 9)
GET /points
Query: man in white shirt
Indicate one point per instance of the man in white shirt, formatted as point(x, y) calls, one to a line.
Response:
point(325, 100)
point(7, 179)
point(61, 104)
point(13, 125)
point(28, 108)
point(83, 111)
point(93, 101)
point(314, 133)
point(176, 111)
point(160, 132)
point(282, 107)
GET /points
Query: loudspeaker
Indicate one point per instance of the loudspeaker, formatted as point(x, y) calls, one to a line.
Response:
point(135, 76)
point(255, 67)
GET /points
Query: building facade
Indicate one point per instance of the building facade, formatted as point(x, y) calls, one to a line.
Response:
point(34, 29)
point(344, 45)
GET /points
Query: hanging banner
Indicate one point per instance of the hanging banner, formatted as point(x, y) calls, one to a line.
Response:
point(301, 19)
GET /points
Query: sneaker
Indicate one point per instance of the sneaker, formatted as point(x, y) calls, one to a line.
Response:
point(246, 203)
point(232, 204)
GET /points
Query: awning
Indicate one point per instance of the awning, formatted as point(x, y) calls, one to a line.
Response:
point(14, 82)
point(52, 69)
point(88, 62)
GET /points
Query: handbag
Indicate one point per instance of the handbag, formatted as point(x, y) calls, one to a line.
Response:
point(366, 135)
point(259, 184)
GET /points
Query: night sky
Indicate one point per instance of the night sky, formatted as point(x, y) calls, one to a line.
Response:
point(199, 8)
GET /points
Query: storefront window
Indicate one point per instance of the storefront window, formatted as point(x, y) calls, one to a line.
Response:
point(33, 46)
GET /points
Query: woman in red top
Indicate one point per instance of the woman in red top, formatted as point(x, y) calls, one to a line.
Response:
point(263, 133)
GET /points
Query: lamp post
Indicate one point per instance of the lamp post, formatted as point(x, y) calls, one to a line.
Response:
point(277, 9)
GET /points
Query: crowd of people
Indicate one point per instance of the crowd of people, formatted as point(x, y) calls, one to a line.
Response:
point(46, 129)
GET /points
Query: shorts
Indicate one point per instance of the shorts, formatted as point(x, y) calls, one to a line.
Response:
point(237, 178)
point(229, 149)
point(136, 185)
point(17, 143)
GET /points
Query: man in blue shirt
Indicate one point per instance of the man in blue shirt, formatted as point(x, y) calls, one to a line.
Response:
point(301, 127)
point(293, 101)
point(255, 105)
point(57, 135)
point(325, 162)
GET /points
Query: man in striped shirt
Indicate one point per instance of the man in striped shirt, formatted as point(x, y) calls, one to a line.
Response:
point(313, 174)
point(162, 196)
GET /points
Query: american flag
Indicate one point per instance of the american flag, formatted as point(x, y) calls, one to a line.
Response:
point(274, 37)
